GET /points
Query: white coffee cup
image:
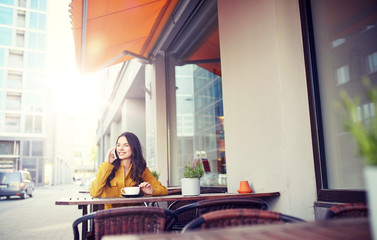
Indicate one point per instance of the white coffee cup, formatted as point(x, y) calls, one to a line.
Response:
point(130, 190)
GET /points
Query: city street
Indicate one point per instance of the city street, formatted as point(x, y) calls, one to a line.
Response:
point(38, 217)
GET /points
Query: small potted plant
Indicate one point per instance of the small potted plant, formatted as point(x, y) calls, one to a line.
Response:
point(191, 182)
point(365, 136)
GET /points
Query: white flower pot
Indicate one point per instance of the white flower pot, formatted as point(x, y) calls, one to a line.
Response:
point(190, 186)
point(371, 184)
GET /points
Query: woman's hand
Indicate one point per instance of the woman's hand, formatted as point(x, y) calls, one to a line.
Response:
point(110, 155)
point(146, 188)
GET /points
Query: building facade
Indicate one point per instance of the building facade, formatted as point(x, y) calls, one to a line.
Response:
point(23, 91)
point(32, 134)
point(252, 85)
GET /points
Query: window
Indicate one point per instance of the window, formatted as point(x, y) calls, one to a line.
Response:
point(20, 39)
point(372, 62)
point(341, 33)
point(26, 148)
point(22, 3)
point(7, 2)
point(37, 21)
point(5, 36)
point(35, 61)
point(13, 101)
point(195, 97)
point(342, 75)
point(12, 122)
point(14, 80)
point(16, 59)
point(6, 16)
point(37, 148)
point(6, 147)
point(36, 41)
point(33, 124)
point(21, 18)
point(38, 5)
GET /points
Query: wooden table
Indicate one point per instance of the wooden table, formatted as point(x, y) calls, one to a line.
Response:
point(83, 202)
point(177, 190)
point(351, 228)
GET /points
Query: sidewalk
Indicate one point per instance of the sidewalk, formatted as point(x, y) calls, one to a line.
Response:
point(38, 217)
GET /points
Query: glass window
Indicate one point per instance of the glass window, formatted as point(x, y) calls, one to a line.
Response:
point(7, 2)
point(21, 18)
point(6, 16)
point(16, 59)
point(372, 62)
point(344, 35)
point(22, 3)
point(14, 80)
point(12, 122)
point(33, 101)
point(26, 148)
point(36, 41)
point(29, 163)
point(38, 124)
point(38, 5)
point(14, 101)
point(20, 39)
point(37, 21)
point(195, 104)
point(6, 147)
point(5, 38)
point(35, 61)
point(28, 123)
point(37, 148)
point(1, 82)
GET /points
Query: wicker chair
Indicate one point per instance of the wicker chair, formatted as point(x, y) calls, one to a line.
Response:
point(347, 210)
point(191, 211)
point(123, 220)
point(238, 217)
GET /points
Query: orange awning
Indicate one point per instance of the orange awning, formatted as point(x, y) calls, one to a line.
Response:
point(117, 30)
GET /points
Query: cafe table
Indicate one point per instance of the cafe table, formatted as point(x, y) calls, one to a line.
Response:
point(84, 202)
point(339, 229)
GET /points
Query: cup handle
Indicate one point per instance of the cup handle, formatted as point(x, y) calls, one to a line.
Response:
point(122, 191)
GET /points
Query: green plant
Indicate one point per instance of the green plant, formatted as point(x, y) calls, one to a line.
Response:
point(365, 134)
point(156, 174)
point(196, 171)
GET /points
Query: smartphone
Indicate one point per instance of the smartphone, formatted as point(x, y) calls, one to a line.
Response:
point(115, 154)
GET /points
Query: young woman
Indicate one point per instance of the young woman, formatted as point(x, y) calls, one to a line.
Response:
point(125, 166)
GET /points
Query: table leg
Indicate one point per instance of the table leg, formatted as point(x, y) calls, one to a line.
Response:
point(85, 223)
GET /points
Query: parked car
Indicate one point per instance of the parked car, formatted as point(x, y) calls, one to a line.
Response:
point(16, 183)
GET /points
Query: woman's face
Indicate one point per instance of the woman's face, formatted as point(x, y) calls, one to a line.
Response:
point(123, 149)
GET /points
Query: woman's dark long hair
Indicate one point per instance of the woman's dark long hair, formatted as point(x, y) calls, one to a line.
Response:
point(137, 160)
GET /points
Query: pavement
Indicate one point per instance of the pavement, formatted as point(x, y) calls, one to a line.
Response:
point(38, 217)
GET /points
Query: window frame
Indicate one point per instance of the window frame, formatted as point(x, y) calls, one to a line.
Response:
point(318, 145)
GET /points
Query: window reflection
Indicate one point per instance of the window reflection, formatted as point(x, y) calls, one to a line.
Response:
point(199, 120)
point(345, 34)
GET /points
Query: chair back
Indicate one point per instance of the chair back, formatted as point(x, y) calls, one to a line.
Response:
point(133, 220)
point(347, 210)
point(230, 203)
point(191, 211)
point(238, 217)
point(128, 220)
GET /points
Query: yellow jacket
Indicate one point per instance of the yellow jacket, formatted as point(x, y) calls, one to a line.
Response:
point(100, 189)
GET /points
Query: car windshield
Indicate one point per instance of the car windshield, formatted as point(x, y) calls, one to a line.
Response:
point(9, 177)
